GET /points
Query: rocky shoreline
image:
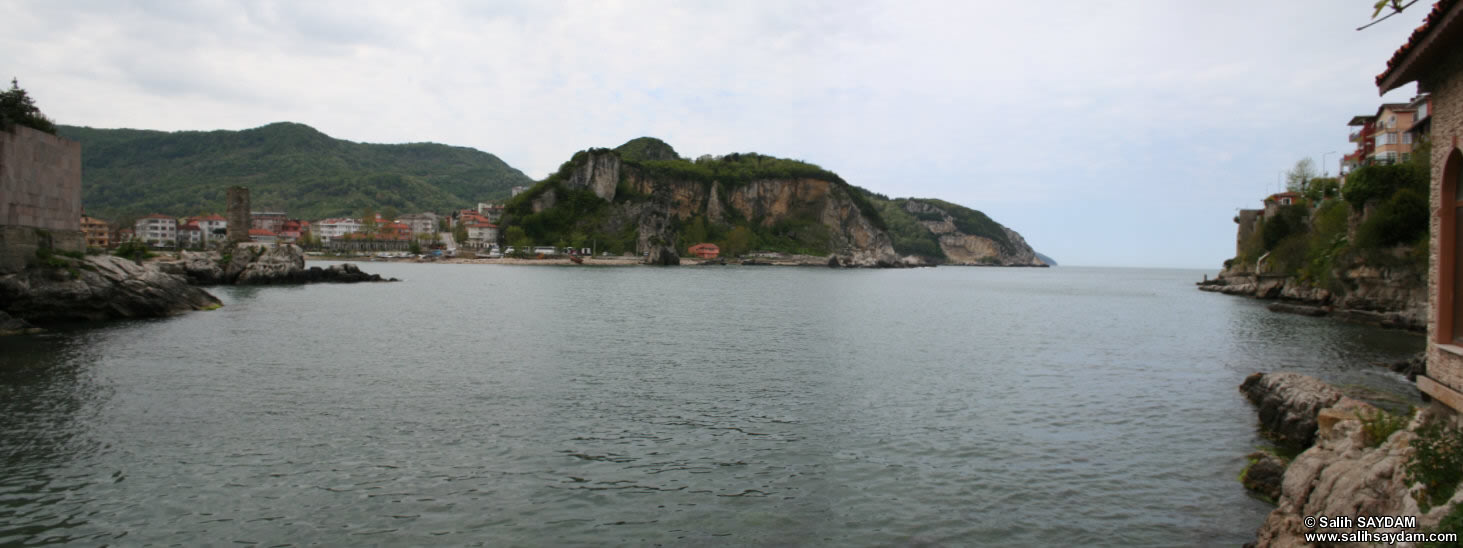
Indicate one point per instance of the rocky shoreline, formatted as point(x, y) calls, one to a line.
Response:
point(59, 289)
point(1341, 472)
point(1394, 297)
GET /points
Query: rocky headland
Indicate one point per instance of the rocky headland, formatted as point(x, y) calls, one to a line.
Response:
point(1351, 464)
point(644, 199)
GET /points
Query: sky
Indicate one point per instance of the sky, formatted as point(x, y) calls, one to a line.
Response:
point(1121, 133)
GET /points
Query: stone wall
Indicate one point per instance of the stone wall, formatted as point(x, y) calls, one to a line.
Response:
point(1447, 137)
point(1249, 221)
point(40, 195)
point(237, 210)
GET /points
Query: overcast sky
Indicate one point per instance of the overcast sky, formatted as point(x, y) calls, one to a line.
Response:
point(1107, 133)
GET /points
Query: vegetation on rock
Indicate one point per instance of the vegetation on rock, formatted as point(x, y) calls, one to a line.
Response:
point(18, 109)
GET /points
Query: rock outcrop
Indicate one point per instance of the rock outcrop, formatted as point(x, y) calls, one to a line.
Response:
point(1389, 296)
point(252, 264)
point(1288, 403)
point(1340, 474)
point(97, 288)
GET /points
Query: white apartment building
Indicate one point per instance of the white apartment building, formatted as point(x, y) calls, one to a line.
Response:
point(330, 229)
point(157, 230)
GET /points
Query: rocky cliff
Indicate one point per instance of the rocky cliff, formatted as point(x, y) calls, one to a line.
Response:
point(658, 208)
point(965, 241)
point(643, 198)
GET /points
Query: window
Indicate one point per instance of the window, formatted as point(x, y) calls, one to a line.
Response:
point(1406, 138)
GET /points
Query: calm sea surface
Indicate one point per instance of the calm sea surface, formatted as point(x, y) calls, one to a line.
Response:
point(529, 406)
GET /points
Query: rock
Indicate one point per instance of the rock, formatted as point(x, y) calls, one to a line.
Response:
point(98, 288)
point(1341, 476)
point(10, 325)
point(1411, 367)
point(1288, 404)
point(1264, 475)
point(264, 265)
point(663, 256)
point(253, 264)
point(1301, 309)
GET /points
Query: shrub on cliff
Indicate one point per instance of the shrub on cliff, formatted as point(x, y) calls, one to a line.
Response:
point(1402, 219)
point(1288, 220)
point(1436, 462)
point(18, 109)
point(1370, 183)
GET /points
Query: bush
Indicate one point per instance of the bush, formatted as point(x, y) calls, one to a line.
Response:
point(135, 250)
point(1379, 182)
point(1436, 462)
point(1452, 522)
point(1379, 425)
point(1402, 219)
point(1287, 220)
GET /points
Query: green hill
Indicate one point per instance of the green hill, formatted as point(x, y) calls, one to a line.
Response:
point(128, 172)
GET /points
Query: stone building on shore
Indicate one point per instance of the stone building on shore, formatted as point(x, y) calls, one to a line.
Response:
point(1433, 57)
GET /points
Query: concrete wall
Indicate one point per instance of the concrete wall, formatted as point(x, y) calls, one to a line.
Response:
point(1447, 136)
point(40, 196)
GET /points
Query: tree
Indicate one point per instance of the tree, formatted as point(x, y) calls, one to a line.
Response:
point(1321, 188)
point(1300, 176)
point(389, 214)
point(368, 221)
point(517, 238)
point(415, 248)
point(17, 108)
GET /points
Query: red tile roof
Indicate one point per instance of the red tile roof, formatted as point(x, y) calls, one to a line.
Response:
point(260, 232)
point(1403, 66)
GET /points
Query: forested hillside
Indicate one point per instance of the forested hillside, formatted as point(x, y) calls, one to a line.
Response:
point(128, 173)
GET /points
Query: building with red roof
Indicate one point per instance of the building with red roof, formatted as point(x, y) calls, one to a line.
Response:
point(705, 251)
point(1433, 57)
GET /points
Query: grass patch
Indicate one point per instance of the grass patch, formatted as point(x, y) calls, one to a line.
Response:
point(1379, 425)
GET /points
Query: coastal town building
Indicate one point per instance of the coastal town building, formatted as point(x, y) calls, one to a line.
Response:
point(262, 235)
point(98, 233)
point(272, 221)
point(1388, 136)
point(481, 234)
point(330, 229)
point(705, 251)
point(1433, 57)
point(420, 223)
point(492, 210)
point(157, 230)
point(215, 228)
point(190, 235)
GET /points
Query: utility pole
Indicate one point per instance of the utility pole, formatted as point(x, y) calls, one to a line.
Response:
point(1325, 171)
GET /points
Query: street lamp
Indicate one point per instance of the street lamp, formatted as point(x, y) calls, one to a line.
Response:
point(1324, 170)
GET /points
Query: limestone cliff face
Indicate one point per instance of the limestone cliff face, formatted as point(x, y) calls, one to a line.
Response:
point(655, 204)
point(970, 249)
